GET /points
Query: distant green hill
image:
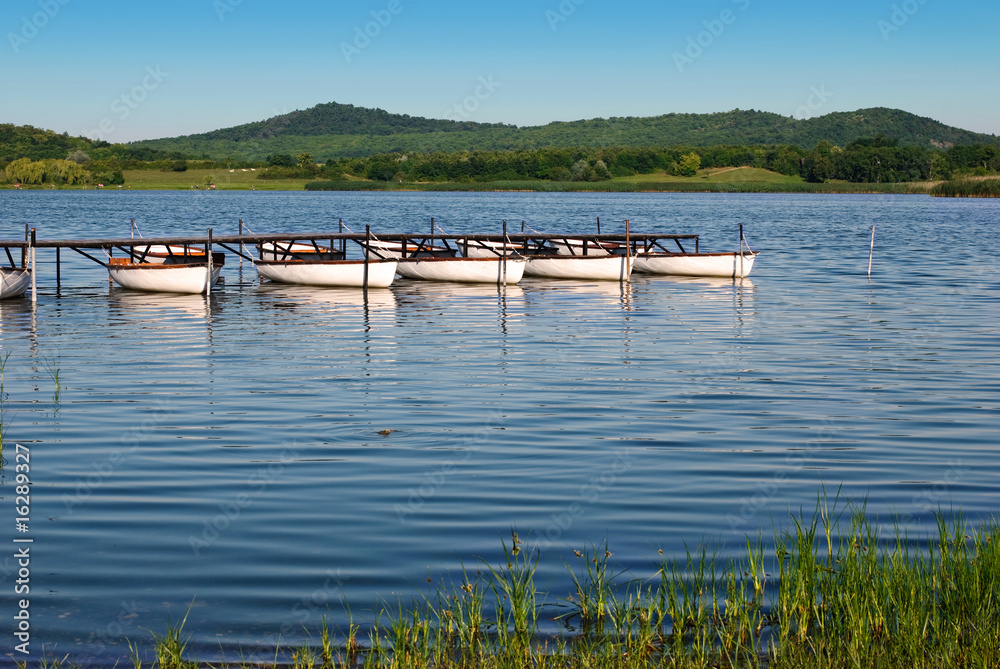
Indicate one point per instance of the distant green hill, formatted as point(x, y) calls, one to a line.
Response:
point(334, 130)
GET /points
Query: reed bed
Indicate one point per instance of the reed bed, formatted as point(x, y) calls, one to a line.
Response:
point(984, 187)
point(833, 590)
point(695, 186)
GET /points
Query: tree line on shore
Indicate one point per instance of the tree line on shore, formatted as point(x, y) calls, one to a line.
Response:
point(31, 156)
point(874, 160)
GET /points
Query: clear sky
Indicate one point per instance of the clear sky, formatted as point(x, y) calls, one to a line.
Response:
point(145, 69)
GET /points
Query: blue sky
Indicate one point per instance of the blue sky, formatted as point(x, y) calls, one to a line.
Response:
point(138, 70)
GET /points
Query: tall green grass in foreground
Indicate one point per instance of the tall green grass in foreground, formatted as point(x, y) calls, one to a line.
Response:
point(835, 592)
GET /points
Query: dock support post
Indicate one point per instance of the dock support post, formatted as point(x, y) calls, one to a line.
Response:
point(741, 250)
point(34, 274)
point(368, 237)
point(343, 242)
point(243, 249)
point(503, 254)
point(58, 272)
point(628, 254)
point(871, 252)
point(598, 225)
point(208, 254)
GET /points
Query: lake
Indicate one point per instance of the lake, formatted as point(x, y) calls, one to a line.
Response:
point(274, 454)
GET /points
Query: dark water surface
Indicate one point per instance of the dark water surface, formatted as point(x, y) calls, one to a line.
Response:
point(228, 451)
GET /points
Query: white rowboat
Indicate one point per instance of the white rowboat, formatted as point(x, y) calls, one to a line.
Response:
point(329, 273)
point(464, 270)
point(596, 268)
point(731, 265)
point(164, 277)
point(14, 282)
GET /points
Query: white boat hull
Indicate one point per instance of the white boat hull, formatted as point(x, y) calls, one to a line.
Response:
point(587, 268)
point(295, 251)
point(463, 270)
point(575, 247)
point(161, 253)
point(380, 249)
point(164, 278)
point(330, 273)
point(14, 282)
point(475, 248)
point(697, 264)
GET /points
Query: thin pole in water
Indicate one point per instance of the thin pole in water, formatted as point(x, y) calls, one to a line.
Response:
point(871, 252)
point(58, 273)
point(503, 254)
point(243, 249)
point(368, 236)
point(741, 250)
point(208, 255)
point(628, 254)
point(598, 225)
point(34, 291)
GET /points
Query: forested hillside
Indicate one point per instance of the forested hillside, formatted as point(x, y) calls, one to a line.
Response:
point(338, 131)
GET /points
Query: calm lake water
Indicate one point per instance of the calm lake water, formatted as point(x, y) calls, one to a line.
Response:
point(229, 452)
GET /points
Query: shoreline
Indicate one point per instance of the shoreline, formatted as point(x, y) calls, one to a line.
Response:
point(542, 187)
point(835, 589)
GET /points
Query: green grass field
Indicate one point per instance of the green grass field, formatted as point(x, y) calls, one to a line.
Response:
point(223, 180)
point(717, 176)
point(715, 180)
